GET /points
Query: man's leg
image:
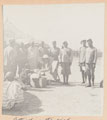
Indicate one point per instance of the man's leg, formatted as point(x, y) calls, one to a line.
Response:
point(20, 68)
point(63, 78)
point(67, 77)
point(89, 80)
point(88, 75)
point(83, 76)
point(82, 73)
point(58, 78)
point(55, 75)
point(93, 76)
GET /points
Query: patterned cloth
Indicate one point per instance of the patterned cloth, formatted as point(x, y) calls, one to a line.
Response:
point(65, 68)
point(12, 93)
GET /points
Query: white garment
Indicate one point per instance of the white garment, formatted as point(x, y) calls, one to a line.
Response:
point(82, 54)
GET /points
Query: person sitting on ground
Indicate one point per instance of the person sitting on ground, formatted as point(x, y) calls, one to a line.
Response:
point(12, 91)
point(43, 72)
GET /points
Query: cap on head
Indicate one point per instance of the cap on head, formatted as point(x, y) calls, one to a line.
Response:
point(45, 57)
point(54, 42)
point(90, 40)
point(12, 41)
point(65, 43)
point(83, 41)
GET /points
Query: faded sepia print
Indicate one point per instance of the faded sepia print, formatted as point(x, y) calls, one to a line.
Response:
point(53, 59)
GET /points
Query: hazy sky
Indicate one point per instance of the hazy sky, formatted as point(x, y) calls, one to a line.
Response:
point(70, 22)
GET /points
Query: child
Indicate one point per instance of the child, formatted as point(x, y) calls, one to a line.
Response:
point(12, 91)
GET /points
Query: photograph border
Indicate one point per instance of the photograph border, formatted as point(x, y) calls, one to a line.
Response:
point(34, 2)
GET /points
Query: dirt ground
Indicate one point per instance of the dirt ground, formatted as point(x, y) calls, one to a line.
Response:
point(65, 100)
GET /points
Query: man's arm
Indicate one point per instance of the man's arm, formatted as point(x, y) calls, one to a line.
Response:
point(60, 56)
point(79, 55)
point(95, 57)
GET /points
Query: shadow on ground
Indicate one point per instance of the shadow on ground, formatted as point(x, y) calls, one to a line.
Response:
point(72, 84)
point(31, 105)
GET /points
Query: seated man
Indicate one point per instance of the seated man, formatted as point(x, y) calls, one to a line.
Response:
point(40, 76)
point(12, 91)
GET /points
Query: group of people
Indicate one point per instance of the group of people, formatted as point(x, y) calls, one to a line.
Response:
point(25, 62)
point(38, 56)
point(87, 61)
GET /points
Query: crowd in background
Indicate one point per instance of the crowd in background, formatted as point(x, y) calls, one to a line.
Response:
point(34, 55)
point(26, 63)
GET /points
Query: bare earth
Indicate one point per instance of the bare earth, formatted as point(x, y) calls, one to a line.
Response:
point(61, 100)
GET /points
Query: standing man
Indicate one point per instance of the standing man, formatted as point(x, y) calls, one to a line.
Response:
point(54, 53)
point(66, 58)
point(91, 58)
point(43, 50)
point(10, 56)
point(33, 56)
point(82, 56)
point(21, 57)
